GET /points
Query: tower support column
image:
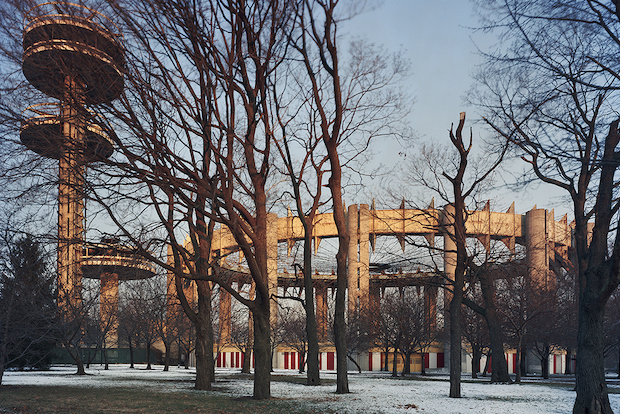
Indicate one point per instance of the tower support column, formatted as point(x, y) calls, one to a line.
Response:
point(108, 308)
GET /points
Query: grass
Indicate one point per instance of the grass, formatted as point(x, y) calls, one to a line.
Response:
point(62, 399)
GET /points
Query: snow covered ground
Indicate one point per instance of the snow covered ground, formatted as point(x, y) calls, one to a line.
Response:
point(370, 392)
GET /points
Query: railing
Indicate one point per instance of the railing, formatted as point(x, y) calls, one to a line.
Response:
point(62, 10)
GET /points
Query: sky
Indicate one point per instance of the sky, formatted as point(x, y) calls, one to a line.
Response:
point(440, 41)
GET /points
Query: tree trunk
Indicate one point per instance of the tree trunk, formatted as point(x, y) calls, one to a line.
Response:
point(523, 363)
point(407, 364)
point(313, 377)
point(131, 359)
point(386, 353)
point(247, 354)
point(302, 362)
point(262, 350)
point(486, 365)
point(518, 363)
point(148, 355)
point(590, 384)
point(455, 343)
point(544, 361)
point(167, 358)
point(568, 368)
point(204, 338)
point(423, 354)
point(567, 356)
point(394, 361)
point(499, 366)
point(340, 327)
point(104, 351)
point(74, 353)
point(475, 361)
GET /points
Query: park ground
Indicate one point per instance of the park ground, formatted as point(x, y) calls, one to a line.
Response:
point(124, 390)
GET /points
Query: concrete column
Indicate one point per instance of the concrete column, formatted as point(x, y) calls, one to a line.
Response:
point(374, 298)
point(321, 310)
point(449, 244)
point(70, 201)
point(364, 254)
point(536, 247)
point(353, 275)
point(430, 306)
point(272, 265)
point(108, 307)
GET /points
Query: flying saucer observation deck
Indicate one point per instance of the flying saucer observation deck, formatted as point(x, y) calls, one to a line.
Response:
point(111, 262)
point(113, 258)
point(43, 133)
point(69, 40)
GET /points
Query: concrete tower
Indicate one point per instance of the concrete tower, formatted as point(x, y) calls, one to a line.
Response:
point(72, 55)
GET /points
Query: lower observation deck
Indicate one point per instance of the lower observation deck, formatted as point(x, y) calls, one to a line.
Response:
point(100, 259)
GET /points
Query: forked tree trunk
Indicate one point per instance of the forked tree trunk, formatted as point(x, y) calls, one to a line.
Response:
point(74, 353)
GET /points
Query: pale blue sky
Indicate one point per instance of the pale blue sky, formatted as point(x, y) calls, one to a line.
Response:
point(439, 40)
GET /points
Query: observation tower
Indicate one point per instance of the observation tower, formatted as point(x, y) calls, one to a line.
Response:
point(73, 55)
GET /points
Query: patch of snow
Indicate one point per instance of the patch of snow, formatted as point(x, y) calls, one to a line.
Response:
point(370, 392)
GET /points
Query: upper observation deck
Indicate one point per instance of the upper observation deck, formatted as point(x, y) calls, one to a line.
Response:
point(65, 40)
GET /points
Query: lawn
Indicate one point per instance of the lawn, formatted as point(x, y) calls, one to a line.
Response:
point(124, 390)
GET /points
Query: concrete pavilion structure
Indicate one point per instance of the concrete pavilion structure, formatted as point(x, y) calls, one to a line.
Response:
point(546, 241)
point(73, 55)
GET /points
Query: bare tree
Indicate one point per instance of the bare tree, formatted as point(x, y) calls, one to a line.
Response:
point(459, 183)
point(552, 92)
point(339, 107)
